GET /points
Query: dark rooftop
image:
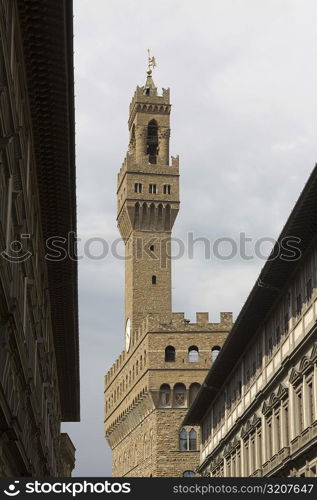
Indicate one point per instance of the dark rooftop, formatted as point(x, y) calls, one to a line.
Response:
point(47, 38)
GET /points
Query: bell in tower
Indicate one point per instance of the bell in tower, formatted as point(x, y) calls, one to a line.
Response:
point(152, 141)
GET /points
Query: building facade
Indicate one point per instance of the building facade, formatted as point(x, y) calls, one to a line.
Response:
point(39, 366)
point(258, 408)
point(166, 357)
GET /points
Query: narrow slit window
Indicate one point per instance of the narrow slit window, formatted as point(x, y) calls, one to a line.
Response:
point(153, 280)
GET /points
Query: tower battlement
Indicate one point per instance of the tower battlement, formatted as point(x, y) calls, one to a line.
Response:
point(177, 322)
point(158, 103)
point(171, 323)
point(141, 96)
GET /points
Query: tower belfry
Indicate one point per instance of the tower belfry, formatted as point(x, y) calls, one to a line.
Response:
point(148, 203)
point(166, 357)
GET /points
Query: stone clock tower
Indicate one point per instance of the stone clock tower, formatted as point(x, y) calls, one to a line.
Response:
point(166, 358)
point(148, 203)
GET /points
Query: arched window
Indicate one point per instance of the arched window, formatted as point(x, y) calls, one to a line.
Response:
point(188, 473)
point(169, 353)
point(165, 395)
point(214, 352)
point(152, 141)
point(183, 440)
point(193, 354)
point(179, 395)
point(192, 440)
point(193, 390)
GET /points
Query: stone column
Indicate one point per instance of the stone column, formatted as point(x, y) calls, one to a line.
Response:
point(258, 458)
point(285, 425)
point(273, 432)
point(140, 142)
point(263, 434)
point(293, 416)
point(242, 462)
point(251, 455)
point(164, 137)
point(305, 403)
point(225, 467)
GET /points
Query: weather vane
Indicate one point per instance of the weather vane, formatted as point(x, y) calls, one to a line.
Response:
point(152, 63)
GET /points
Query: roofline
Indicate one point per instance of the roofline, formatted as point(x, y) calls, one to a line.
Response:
point(275, 276)
point(47, 38)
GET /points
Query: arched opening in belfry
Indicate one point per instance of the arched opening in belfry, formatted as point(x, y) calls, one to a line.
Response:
point(152, 141)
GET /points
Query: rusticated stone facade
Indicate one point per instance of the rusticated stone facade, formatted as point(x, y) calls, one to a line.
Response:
point(166, 358)
point(143, 413)
point(39, 382)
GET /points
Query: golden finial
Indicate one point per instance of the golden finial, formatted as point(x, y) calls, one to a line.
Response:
point(151, 63)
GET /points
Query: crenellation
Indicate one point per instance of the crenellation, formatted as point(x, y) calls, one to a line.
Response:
point(202, 318)
point(177, 322)
point(174, 322)
point(226, 318)
point(175, 162)
point(140, 97)
point(115, 368)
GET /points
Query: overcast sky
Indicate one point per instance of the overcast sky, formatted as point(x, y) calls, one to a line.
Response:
point(243, 80)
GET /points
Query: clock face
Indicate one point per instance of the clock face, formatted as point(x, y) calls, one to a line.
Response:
point(127, 335)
